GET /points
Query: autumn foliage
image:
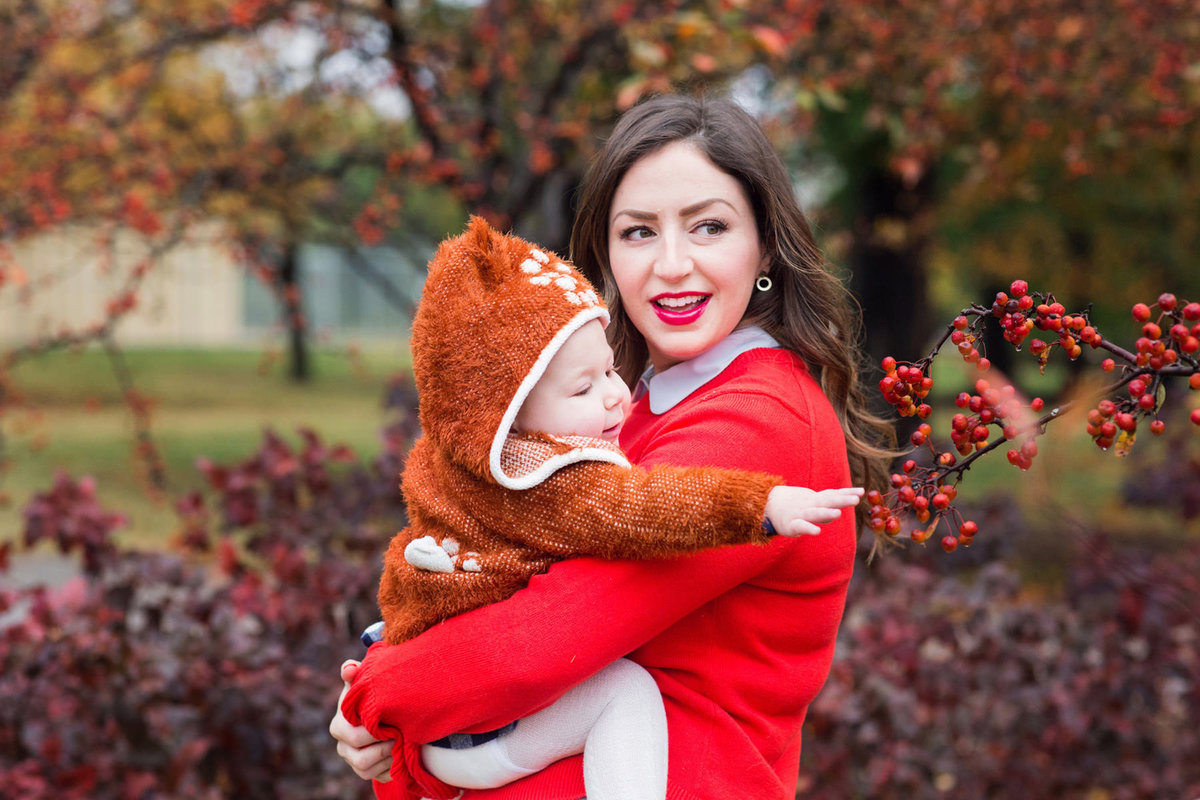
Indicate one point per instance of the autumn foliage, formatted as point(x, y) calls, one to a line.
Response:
point(159, 675)
point(209, 672)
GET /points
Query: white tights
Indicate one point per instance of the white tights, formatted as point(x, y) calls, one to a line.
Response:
point(615, 718)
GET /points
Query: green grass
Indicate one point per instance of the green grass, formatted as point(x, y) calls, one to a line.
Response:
point(211, 403)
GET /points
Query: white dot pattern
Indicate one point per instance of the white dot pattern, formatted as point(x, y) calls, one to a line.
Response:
point(543, 271)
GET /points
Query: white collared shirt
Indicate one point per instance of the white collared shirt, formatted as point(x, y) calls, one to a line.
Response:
point(669, 387)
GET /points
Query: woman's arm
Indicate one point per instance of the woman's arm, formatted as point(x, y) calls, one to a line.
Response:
point(485, 668)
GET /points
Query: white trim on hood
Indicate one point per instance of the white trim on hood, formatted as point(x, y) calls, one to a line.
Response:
point(553, 464)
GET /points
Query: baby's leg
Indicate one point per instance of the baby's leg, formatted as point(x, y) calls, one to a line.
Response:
point(616, 719)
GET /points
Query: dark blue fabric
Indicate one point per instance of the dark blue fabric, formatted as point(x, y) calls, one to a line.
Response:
point(465, 741)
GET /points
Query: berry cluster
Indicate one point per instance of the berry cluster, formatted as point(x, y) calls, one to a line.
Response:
point(915, 491)
point(1154, 350)
point(1160, 350)
point(906, 387)
point(1169, 346)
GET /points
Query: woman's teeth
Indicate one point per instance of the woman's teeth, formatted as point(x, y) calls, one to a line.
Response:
point(679, 302)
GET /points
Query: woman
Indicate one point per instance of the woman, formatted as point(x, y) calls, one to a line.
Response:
point(689, 226)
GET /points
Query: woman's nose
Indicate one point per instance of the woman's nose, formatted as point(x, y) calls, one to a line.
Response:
point(674, 261)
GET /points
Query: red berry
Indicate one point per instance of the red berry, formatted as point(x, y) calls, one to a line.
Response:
point(968, 528)
point(1106, 407)
point(1151, 330)
point(949, 544)
point(889, 363)
point(961, 323)
point(1146, 402)
point(1038, 404)
point(1157, 427)
point(1194, 381)
point(1141, 312)
point(1018, 288)
point(1108, 365)
point(1195, 416)
point(1190, 345)
point(1166, 301)
point(892, 526)
point(917, 438)
point(940, 501)
point(1191, 312)
point(1126, 422)
point(1137, 387)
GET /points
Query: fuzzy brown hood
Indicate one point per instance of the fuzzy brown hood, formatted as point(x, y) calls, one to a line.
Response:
point(494, 312)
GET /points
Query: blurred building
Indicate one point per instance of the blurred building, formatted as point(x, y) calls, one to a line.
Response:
point(198, 295)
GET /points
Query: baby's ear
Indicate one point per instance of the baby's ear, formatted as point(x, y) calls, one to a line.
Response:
point(485, 250)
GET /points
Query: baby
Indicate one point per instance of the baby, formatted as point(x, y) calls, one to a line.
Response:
point(518, 468)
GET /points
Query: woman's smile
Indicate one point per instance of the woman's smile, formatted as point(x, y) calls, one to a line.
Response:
point(680, 308)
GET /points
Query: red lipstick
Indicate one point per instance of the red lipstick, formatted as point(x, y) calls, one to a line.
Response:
point(680, 315)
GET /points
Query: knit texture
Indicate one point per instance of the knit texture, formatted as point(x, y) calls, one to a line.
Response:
point(739, 639)
point(495, 539)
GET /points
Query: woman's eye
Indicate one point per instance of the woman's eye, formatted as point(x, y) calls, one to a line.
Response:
point(711, 227)
point(583, 390)
point(637, 233)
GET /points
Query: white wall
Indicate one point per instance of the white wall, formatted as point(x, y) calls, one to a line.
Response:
point(192, 296)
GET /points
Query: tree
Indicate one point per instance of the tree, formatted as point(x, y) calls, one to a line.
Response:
point(923, 103)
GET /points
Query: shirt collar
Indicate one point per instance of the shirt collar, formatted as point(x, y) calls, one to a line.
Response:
point(669, 387)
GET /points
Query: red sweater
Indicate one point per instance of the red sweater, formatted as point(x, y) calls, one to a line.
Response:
point(739, 639)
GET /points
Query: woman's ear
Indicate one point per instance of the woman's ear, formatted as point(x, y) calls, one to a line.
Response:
point(764, 263)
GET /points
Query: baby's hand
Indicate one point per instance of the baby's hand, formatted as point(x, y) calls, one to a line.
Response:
point(796, 511)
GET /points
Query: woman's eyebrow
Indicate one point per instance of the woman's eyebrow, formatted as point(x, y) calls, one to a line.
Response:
point(686, 211)
point(647, 216)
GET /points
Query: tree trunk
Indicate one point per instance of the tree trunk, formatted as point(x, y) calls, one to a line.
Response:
point(299, 363)
point(888, 260)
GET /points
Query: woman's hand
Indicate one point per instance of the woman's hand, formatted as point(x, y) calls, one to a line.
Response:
point(370, 758)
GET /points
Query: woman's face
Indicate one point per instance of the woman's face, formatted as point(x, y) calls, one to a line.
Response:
point(684, 251)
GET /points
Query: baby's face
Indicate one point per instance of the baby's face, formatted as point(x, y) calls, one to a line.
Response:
point(579, 394)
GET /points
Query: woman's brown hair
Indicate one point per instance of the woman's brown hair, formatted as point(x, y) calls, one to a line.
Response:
point(808, 310)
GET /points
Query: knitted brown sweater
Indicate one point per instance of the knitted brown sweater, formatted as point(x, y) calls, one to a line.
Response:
point(495, 539)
